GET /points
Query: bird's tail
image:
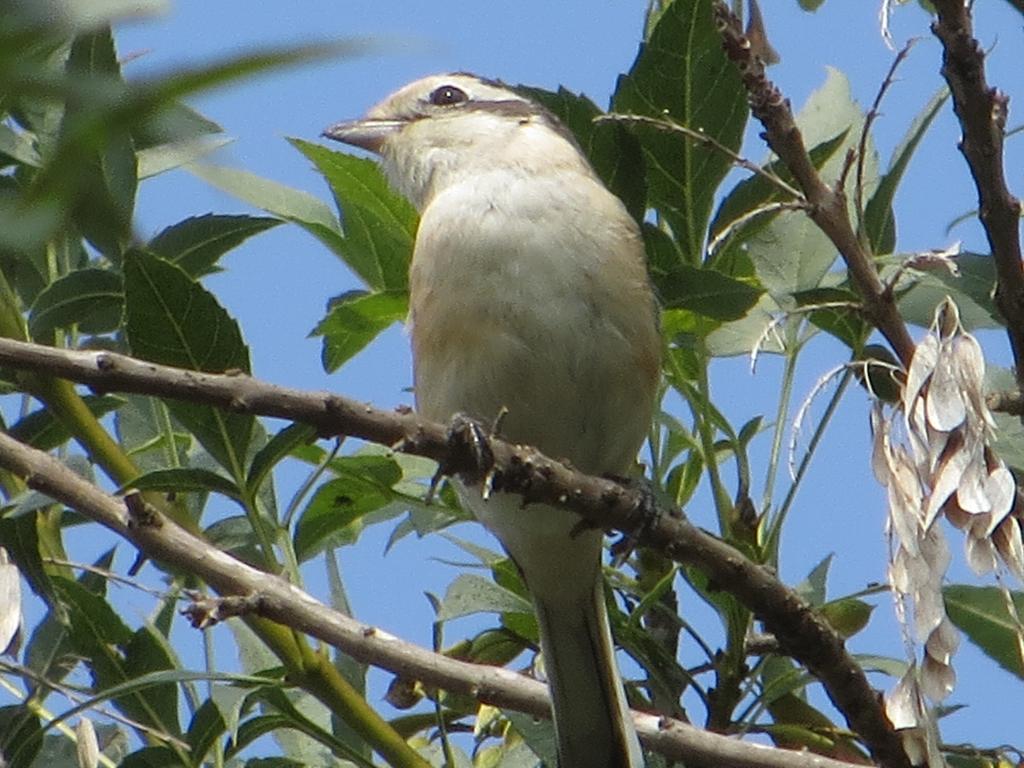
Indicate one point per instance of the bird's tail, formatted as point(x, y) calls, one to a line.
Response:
point(592, 720)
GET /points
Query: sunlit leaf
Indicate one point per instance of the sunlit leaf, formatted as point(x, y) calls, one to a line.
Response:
point(379, 224)
point(195, 244)
point(611, 148)
point(879, 220)
point(470, 594)
point(682, 73)
point(92, 298)
point(171, 319)
point(354, 321)
point(707, 292)
point(981, 614)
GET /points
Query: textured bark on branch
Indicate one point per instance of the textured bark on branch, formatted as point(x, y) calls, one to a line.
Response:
point(274, 598)
point(982, 111)
point(826, 205)
point(801, 632)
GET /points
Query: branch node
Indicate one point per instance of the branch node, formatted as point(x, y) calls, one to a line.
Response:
point(141, 514)
point(205, 611)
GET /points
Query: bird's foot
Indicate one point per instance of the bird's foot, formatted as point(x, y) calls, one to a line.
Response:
point(646, 512)
point(469, 452)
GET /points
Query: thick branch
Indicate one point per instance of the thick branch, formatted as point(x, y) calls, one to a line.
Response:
point(518, 469)
point(276, 599)
point(827, 205)
point(982, 112)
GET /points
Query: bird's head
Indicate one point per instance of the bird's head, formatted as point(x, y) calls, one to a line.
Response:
point(441, 129)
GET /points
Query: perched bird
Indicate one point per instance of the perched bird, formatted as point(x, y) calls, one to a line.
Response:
point(529, 295)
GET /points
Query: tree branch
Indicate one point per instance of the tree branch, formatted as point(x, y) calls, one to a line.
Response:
point(827, 205)
point(276, 599)
point(513, 468)
point(982, 113)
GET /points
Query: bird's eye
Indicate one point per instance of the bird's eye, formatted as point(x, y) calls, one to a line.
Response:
point(447, 95)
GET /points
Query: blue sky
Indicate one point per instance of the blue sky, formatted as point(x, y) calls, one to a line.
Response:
point(277, 285)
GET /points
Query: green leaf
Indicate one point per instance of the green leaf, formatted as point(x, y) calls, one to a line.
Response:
point(846, 323)
point(83, 17)
point(847, 616)
point(379, 224)
point(92, 298)
point(980, 613)
point(171, 319)
point(196, 243)
point(290, 204)
point(204, 730)
point(147, 652)
point(756, 191)
point(279, 446)
point(706, 291)
point(355, 320)
point(791, 253)
point(177, 128)
point(21, 736)
point(149, 435)
point(334, 514)
point(117, 656)
point(879, 221)
point(613, 151)
point(470, 594)
point(682, 73)
point(184, 480)
point(42, 430)
point(166, 157)
point(107, 176)
point(971, 290)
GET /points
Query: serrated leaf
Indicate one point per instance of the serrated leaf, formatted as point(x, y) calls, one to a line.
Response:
point(92, 298)
point(706, 291)
point(981, 614)
point(195, 244)
point(613, 151)
point(682, 73)
point(879, 221)
point(354, 321)
point(379, 224)
point(171, 319)
point(470, 594)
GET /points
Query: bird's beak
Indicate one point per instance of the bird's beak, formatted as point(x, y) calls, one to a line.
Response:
point(368, 133)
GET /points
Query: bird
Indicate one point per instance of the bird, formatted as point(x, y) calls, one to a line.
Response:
point(529, 296)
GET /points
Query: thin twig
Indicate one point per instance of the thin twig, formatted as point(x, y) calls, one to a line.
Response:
point(732, 226)
point(869, 119)
point(276, 599)
point(513, 468)
point(982, 112)
point(827, 205)
point(700, 137)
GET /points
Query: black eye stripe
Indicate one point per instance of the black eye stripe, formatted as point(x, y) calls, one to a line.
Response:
point(447, 95)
